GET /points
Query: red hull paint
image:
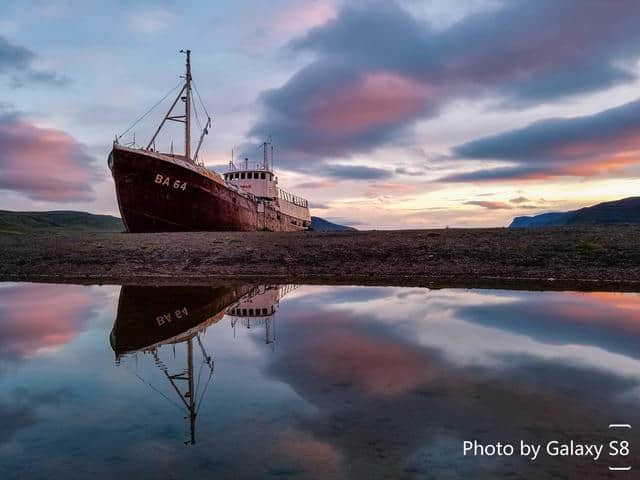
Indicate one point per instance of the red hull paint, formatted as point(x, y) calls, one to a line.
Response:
point(159, 195)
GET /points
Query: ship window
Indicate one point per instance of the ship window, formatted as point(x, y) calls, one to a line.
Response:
point(244, 312)
point(242, 176)
point(264, 311)
point(263, 176)
point(251, 312)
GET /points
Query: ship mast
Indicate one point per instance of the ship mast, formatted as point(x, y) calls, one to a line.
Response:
point(187, 108)
point(186, 118)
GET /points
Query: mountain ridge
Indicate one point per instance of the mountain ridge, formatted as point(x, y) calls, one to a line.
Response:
point(625, 210)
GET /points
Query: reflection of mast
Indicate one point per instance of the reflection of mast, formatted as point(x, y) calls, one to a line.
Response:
point(152, 319)
point(258, 308)
point(190, 397)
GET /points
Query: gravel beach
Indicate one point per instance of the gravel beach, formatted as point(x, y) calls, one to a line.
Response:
point(553, 258)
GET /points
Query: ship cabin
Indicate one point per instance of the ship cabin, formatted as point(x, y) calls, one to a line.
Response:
point(261, 182)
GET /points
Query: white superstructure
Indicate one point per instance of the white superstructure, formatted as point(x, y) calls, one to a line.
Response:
point(260, 181)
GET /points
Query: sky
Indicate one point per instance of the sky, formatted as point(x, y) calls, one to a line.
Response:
point(384, 114)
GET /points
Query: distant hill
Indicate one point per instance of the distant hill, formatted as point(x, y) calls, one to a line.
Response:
point(322, 225)
point(21, 222)
point(626, 210)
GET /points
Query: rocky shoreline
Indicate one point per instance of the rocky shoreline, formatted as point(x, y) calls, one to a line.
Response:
point(585, 258)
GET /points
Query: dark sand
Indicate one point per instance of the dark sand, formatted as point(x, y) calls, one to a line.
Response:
point(553, 258)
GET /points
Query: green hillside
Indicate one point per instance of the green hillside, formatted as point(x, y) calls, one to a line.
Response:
point(23, 222)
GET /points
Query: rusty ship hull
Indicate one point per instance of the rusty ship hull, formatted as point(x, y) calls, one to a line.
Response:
point(149, 316)
point(163, 193)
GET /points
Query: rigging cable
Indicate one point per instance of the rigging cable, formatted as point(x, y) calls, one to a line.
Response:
point(157, 391)
point(206, 386)
point(150, 110)
point(200, 98)
point(195, 112)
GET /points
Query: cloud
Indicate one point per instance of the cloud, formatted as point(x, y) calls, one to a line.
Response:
point(408, 171)
point(605, 143)
point(489, 205)
point(305, 452)
point(355, 172)
point(318, 206)
point(43, 164)
point(519, 200)
point(605, 320)
point(21, 411)
point(315, 185)
point(15, 417)
point(17, 63)
point(363, 370)
point(151, 21)
point(389, 190)
point(38, 317)
point(301, 16)
point(377, 70)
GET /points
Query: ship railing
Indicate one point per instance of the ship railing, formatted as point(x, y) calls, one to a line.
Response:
point(291, 198)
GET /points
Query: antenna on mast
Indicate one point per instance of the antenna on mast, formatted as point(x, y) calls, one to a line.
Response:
point(271, 144)
point(265, 159)
point(187, 106)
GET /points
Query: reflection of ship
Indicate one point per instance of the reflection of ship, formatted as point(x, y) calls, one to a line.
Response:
point(158, 315)
point(259, 308)
point(152, 317)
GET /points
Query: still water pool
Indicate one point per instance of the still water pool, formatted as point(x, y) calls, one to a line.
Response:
point(285, 381)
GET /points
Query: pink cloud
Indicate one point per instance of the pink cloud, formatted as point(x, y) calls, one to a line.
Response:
point(377, 366)
point(373, 100)
point(302, 17)
point(43, 164)
point(36, 317)
point(317, 456)
point(616, 311)
point(390, 189)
